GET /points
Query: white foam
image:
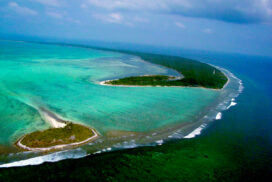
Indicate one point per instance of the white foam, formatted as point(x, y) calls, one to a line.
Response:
point(58, 156)
point(159, 142)
point(231, 104)
point(176, 135)
point(218, 116)
point(196, 131)
point(127, 145)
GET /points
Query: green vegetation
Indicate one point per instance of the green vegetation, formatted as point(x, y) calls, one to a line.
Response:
point(196, 74)
point(153, 80)
point(71, 133)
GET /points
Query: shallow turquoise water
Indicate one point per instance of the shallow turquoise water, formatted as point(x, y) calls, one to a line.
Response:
point(65, 80)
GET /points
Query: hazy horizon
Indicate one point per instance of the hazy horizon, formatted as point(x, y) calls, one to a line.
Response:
point(225, 26)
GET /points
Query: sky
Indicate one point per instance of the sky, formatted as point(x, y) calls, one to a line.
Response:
point(243, 26)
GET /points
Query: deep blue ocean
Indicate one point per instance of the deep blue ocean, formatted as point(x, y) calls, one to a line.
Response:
point(251, 118)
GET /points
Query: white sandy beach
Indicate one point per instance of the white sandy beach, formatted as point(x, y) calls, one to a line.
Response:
point(57, 146)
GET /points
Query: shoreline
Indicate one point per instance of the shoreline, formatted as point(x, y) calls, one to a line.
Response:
point(56, 147)
point(223, 71)
point(102, 83)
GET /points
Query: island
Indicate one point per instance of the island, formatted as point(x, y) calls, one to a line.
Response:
point(194, 73)
point(62, 134)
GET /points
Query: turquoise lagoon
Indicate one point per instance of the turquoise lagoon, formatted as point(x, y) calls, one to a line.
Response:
point(65, 80)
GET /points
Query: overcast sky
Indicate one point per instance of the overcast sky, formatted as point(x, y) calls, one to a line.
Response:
point(223, 25)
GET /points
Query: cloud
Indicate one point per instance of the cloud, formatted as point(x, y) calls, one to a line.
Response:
point(140, 19)
point(83, 6)
point(129, 4)
point(118, 18)
point(208, 31)
point(73, 20)
point(180, 25)
point(55, 15)
point(62, 16)
point(235, 11)
point(55, 3)
point(21, 9)
point(111, 18)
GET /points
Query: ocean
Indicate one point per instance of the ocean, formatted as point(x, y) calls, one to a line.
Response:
point(240, 136)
